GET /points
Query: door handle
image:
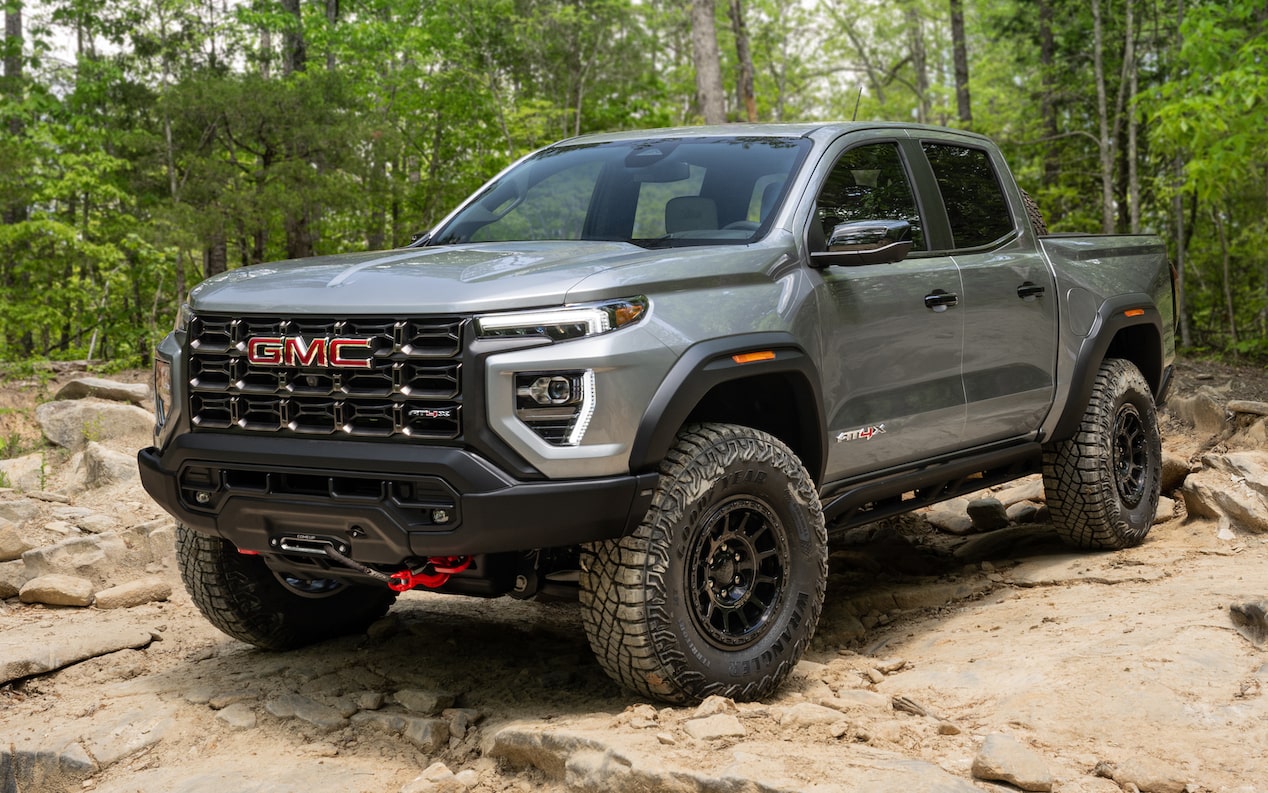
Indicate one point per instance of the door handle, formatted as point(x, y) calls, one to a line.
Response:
point(1029, 291)
point(939, 300)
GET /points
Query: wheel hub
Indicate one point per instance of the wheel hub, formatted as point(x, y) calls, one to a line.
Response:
point(1129, 455)
point(737, 572)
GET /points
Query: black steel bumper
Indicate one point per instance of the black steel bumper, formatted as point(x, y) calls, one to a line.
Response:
point(385, 503)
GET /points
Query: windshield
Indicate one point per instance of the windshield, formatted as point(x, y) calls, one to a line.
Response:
point(651, 192)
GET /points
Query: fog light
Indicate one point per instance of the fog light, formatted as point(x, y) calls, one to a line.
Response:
point(555, 390)
point(557, 405)
point(439, 516)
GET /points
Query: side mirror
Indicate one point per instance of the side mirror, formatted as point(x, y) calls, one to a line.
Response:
point(865, 242)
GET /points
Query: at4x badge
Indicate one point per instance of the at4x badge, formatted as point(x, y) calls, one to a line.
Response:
point(862, 433)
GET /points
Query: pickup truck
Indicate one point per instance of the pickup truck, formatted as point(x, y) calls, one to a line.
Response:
point(654, 371)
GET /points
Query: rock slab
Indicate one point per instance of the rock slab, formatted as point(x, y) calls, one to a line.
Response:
point(1003, 759)
point(99, 387)
point(57, 590)
point(35, 650)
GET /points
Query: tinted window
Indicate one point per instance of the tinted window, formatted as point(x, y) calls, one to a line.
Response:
point(869, 183)
point(975, 203)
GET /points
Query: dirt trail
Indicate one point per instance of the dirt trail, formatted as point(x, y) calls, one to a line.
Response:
point(1117, 666)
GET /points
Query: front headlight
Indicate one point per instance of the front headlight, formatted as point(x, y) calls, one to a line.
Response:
point(563, 324)
point(162, 390)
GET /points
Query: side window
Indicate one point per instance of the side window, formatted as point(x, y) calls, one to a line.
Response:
point(975, 202)
point(870, 183)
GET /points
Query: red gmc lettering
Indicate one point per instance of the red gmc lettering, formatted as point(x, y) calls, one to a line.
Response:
point(337, 357)
point(298, 351)
point(265, 350)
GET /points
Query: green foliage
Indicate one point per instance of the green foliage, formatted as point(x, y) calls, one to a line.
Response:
point(180, 138)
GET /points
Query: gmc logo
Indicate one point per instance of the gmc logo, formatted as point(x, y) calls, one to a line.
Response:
point(298, 351)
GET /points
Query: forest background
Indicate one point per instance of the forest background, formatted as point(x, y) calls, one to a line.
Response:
point(147, 144)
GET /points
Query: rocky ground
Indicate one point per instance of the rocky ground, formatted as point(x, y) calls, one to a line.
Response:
point(951, 656)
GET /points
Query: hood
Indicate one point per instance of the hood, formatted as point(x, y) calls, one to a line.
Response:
point(440, 280)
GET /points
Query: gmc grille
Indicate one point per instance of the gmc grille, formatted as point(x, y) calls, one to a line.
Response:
point(412, 387)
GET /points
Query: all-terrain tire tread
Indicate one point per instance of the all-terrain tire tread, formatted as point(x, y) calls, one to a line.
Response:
point(1078, 484)
point(623, 590)
point(240, 596)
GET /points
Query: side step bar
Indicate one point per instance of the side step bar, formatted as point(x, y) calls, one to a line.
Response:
point(868, 500)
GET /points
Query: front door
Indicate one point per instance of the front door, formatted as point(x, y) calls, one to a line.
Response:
point(893, 333)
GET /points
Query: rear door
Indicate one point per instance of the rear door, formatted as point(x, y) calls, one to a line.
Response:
point(891, 362)
point(1008, 303)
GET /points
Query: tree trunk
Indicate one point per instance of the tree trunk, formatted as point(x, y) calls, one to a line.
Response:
point(1182, 244)
point(704, 45)
point(1047, 107)
point(13, 47)
point(919, 63)
point(744, 86)
point(1226, 269)
point(216, 256)
point(961, 56)
point(266, 53)
point(14, 212)
point(332, 17)
point(1102, 115)
point(1133, 174)
point(294, 50)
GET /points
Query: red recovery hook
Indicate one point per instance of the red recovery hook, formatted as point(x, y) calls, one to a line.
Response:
point(442, 567)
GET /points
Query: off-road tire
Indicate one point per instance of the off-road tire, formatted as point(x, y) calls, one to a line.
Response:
point(719, 589)
point(1032, 212)
point(241, 596)
point(1103, 484)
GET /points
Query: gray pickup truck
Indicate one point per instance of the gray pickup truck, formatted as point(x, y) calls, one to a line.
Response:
point(655, 370)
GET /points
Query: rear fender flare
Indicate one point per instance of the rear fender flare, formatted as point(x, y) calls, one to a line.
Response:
point(1112, 319)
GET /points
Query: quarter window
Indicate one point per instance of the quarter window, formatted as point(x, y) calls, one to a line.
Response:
point(971, 192)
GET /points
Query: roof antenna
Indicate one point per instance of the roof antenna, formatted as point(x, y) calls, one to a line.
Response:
point(857, 99)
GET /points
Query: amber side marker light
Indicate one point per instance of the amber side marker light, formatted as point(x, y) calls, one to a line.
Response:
point(751, 357)
point(1134, 312)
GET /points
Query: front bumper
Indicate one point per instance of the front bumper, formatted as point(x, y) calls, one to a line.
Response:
point(386, 503)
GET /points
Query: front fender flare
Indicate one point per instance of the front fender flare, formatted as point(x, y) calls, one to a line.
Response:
point(709, 364)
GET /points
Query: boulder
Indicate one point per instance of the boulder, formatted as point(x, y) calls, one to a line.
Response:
point(98, 387)
point(987, 514)
point(1203, 410)
point(1030, 489)
point(1248, 407)
point(12, 576)
point(71, 424)
point(19, 510)
point(25, 473)
point(12, 543)
point(100, 558)
point(134, 593)
point(1003, 759)
point(1174, 471)
point(102, 466)
point(1232, 486)
point(57, 590)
